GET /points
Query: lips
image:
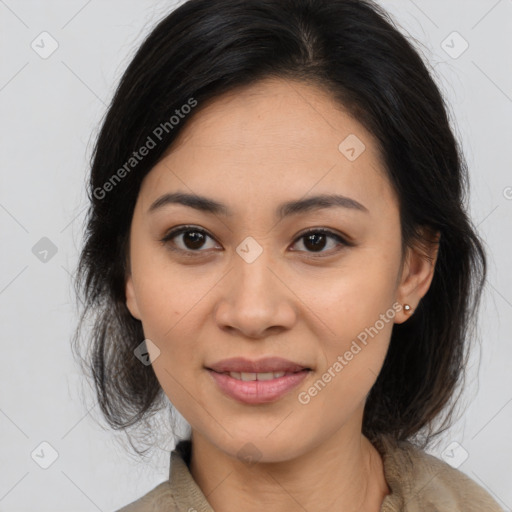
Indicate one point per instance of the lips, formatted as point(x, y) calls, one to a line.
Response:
point(257, 382)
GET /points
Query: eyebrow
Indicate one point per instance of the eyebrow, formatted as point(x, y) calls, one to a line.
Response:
point(286, 209)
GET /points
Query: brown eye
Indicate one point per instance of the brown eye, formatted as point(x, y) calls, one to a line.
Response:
point(316, 240)
point(186, 239)
point(193, 239)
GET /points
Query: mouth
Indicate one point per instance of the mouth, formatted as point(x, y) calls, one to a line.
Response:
point(257, 382)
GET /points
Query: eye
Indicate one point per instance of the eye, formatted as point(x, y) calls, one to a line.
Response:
point(192, 239)
point(315, 240)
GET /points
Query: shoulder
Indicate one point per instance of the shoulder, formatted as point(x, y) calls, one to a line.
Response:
point(179, 493)
point(159, 498)
point(420, 481)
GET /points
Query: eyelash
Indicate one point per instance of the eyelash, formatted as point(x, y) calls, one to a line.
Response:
point(191, 253)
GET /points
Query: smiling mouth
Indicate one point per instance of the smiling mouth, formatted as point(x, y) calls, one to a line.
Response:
point(247, 377)
point(254, 388)
point(258, 381)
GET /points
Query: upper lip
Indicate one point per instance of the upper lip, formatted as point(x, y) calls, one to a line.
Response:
point(264, 365)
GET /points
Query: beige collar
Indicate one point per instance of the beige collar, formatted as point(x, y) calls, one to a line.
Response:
point(417, 480)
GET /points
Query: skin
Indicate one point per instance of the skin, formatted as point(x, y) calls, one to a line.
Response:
point(253, 149)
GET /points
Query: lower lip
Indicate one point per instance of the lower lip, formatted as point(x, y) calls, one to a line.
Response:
point(258, 391)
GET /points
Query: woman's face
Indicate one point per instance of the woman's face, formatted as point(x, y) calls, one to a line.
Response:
point(244, 281)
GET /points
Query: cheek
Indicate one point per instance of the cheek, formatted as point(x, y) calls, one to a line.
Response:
point(168, 321)
point(162, 292)
point(162, 304)
point(354, 297)
point(352, 361)
point(356, 305)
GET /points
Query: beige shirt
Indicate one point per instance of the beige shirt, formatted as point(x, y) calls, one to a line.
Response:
point(418, 482)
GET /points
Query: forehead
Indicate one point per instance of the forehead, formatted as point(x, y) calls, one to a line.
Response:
point(276, 138)
point(273, 113)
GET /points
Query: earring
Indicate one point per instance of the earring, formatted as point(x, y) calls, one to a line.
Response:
point(407, 308)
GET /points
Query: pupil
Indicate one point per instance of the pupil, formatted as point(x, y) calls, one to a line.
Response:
point(196, 240)
point(316, 245)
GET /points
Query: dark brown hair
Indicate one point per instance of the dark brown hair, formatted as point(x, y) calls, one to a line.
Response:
point(352, 49)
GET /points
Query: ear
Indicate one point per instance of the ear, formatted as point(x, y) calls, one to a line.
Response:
point(131, 301)
point(418, 272)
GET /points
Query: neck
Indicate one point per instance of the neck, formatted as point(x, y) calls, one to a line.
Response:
point(344, 473)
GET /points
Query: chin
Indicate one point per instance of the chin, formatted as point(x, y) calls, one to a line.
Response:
point(255, 446)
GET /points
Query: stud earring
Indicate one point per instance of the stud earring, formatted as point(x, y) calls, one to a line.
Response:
point(407, 308)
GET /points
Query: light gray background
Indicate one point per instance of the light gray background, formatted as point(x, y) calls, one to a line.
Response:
point(50, 113)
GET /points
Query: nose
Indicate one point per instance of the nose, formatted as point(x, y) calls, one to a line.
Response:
point(255, 299)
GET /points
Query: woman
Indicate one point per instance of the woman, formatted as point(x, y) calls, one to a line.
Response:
point(277, 244)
